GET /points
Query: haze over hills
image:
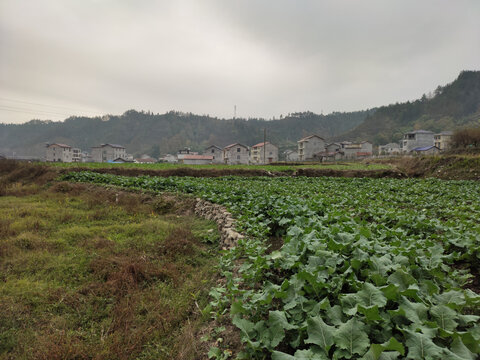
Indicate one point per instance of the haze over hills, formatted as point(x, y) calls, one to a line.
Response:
point(449, 107)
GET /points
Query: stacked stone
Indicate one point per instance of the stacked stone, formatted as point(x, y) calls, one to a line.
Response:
point(224, 220)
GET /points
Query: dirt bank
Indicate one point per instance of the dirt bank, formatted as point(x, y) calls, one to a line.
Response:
point(447, 167)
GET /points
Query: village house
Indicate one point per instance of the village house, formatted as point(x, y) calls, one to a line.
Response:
point(235, 154)
point(310, 145)
point(416, 139)
point(389, 149)
point(443, 140)
point(426, 150)
point(145, 159)
point(108, 152)
point(62, 153)
point(215, 152)
point(356, 150)
point(291, 155)
point(196, 159)
point(169, 158)
point(258, 151)
point(184, 152)
point(332, 152)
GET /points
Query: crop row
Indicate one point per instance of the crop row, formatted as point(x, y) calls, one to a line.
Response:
point(367, 268)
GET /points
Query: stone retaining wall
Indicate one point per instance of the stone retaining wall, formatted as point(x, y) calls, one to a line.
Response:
point(224, 220)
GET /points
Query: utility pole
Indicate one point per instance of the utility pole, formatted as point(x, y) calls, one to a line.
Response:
point(264, 144)
point(234, 111)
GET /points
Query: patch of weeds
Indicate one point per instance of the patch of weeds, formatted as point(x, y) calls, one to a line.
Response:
point(87, 273)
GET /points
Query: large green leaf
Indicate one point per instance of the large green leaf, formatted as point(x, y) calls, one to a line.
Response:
point(444, 316)
point(320, 333)
point(352, 338)
point(421, 347)
point(370, 295)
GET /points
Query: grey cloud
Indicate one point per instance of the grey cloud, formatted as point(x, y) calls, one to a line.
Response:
point(268, 57)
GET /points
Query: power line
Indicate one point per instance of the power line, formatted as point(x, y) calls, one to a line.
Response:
point(31, 111)
point(45, 105)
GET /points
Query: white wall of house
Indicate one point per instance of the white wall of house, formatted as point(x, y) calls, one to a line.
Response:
point(415, 139)
point(108, 152)
point(443, 140)
point(389, 149)
point(257, 153)
point(236, 154)
point(309, 146)
point(58, 153)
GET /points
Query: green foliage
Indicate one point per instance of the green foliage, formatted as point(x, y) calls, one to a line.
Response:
point(454, 106)
point(369, 268)
point(142, 132)
point(83, 276)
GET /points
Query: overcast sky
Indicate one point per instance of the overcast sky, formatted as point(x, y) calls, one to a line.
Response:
point(268, 57)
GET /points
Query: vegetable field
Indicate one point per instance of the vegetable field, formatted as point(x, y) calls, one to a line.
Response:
point(336, 268)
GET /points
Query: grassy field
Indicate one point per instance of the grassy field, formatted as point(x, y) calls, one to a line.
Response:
point(92, 273)
point(285, 168)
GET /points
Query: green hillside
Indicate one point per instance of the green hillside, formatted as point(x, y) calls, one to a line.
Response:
point(450, 107)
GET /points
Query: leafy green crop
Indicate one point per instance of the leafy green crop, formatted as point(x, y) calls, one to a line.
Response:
point(369, 268)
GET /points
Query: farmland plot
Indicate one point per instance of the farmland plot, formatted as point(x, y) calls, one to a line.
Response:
point(366, 268)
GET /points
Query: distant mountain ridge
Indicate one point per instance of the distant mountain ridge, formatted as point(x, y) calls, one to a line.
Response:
point(144, 132)
point(450, 107)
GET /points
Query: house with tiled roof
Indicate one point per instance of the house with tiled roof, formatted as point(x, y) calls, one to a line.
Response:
point(235, 154)
point(263, 153)
point(309, 146)
point(215, 152)
point(196, 159)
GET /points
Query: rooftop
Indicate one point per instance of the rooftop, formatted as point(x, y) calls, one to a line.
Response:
point(309, 137)
point(197, 157)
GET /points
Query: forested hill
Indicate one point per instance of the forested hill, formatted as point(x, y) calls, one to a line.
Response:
point(449, 107)
point(143, 132)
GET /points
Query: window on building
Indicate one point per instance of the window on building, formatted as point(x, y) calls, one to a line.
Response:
point(238, 157)
point(213, 150)
point(238, 149)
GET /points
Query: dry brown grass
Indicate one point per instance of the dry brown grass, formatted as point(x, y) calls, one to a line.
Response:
point(75, 293)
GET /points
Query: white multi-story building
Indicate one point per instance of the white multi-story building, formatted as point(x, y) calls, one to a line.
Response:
point(59, 153)
point(309, 146)
point(235, 154)
point(417, 139)
point(257, 153)
point(108, 152)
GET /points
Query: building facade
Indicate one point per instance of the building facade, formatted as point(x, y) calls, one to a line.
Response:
point(215, 152)
point(309, 146)
point(263, 153)
point(235, 154)
point(389, 149)
point(59, 153)
point(443, 140)
point(416, 139)
point(196, 160)
point(108, 152)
